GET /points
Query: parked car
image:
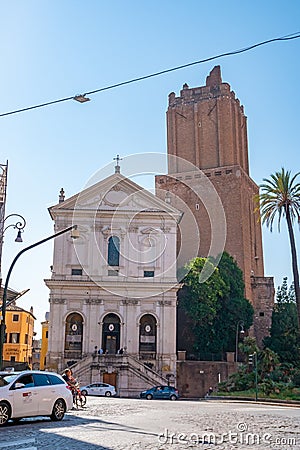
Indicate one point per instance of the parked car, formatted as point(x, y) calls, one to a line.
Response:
point(160, 392)
point(33, 393)
point(99, 389)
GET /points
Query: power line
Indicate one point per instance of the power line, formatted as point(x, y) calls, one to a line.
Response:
point(145, 77)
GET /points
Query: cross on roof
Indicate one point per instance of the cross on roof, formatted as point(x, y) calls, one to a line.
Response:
point(117, 167)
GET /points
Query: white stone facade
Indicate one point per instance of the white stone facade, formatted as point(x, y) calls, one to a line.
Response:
point(115, 286)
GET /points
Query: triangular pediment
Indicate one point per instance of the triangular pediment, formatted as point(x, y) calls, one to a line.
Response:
point(115, 193)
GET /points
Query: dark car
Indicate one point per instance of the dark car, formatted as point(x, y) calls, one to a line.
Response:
point(160, 392)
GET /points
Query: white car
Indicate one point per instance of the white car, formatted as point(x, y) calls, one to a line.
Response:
point(99, 389)
point(33, 393)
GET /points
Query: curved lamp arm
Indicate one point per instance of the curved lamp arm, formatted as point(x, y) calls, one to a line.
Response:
point(4, 300)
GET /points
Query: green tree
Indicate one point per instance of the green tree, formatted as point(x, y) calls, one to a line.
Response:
point(284, 336)
point(233, 306)
point(197, 306)
point(267, 361)
point(209, 312)
point(280, 196)
point(249, 346)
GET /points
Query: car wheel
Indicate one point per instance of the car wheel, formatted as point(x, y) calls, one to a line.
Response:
point(149, 396)
point(59, 410)
point(107, 394)
point(84, 392)
point(5, 412)
point(173, 397)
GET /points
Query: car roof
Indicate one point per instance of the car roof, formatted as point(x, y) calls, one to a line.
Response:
point(4, 372)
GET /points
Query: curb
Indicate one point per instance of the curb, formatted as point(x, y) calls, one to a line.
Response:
point(269, 401)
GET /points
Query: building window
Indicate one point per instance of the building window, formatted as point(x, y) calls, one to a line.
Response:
point(16, 318)
point(13, 359)
point(261, 314)
point(113, 251)
point(148, 273)
point(14, 338)
point(76, 271)
point(46, 335)
point(26, 338)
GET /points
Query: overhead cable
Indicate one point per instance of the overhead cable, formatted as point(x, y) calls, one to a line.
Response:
point(152, 75)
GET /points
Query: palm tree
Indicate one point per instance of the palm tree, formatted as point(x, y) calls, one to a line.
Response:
point(280, 196)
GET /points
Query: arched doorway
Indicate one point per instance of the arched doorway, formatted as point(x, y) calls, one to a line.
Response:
point(111, 334)
point(147, 339)
point(73, 336)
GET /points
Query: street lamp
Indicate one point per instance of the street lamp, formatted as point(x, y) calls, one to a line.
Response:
point(19, 225)
point(239, 329)
point(4, 300)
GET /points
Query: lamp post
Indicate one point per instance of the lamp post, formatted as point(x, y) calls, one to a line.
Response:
point(4, 300)
point(19, 225)
point(239, 329)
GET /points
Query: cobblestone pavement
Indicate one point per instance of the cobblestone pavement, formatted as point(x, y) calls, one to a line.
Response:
point(133, 424)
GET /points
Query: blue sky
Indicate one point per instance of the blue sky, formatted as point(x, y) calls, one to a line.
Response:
point(56, 49)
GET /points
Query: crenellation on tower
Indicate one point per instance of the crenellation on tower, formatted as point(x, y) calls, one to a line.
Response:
point(207, 126)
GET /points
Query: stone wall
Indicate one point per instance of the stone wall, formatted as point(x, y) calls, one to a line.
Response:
point(194, 378)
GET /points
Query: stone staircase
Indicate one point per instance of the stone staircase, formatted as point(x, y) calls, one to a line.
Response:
point(132, 375)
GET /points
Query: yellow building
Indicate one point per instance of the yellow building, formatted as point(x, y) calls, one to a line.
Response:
point(19, 335)
point(44, 347)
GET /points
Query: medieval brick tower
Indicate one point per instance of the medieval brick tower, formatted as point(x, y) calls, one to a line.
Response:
point(207, 139)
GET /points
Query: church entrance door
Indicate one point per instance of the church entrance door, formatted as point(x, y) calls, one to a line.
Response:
point(110, 378)
point(111, 334)
point(147, 347)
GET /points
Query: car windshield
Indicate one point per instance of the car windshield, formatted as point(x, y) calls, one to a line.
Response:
point(5, 379)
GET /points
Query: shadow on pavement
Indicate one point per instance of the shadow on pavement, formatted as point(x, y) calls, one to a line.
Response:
point(42, 433)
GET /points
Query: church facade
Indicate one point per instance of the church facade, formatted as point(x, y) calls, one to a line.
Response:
point(113, 290)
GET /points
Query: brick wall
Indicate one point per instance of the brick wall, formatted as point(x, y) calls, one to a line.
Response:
point(207, 138)
point(195, 377)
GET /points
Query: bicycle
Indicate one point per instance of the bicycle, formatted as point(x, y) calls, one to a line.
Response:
point(79, 399)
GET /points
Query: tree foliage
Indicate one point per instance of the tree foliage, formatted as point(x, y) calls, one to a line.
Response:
point(233, 307)
point(209, 312)
point(280, 197)
point(284, 336)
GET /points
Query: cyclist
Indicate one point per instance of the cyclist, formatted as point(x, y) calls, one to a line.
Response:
point(74, 386)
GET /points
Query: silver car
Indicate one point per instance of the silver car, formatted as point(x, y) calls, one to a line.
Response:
point(104, 389)
point(33, 393)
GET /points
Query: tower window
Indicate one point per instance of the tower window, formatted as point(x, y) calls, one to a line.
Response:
point(16, 318)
